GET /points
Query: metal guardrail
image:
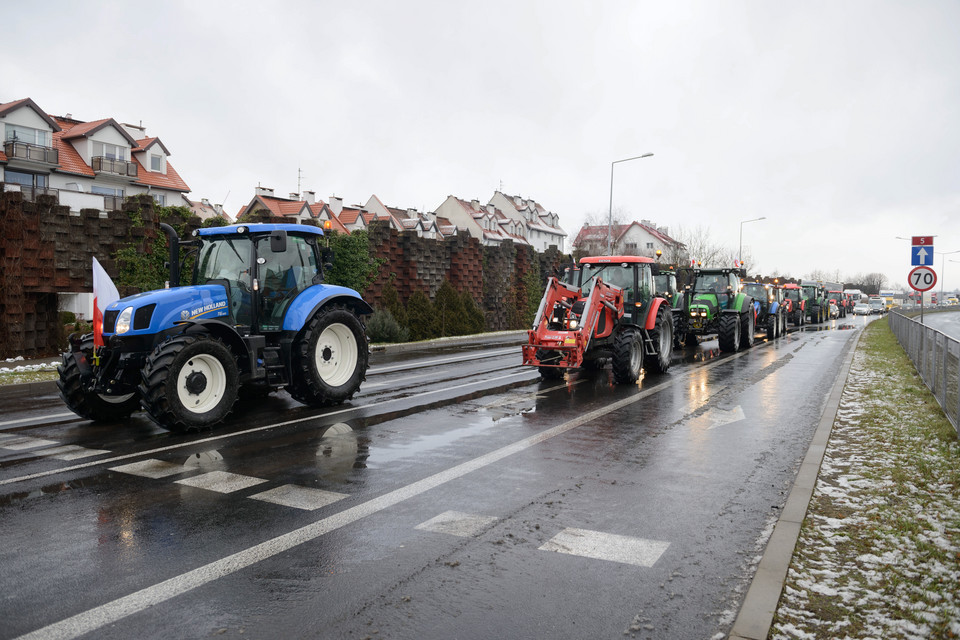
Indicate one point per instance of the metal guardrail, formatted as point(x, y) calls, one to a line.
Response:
point(937, 357)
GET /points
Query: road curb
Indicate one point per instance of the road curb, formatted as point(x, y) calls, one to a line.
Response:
point(759, 606)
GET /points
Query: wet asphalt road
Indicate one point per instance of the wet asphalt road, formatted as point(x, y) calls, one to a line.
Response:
point(947, 322)
point(458, 496)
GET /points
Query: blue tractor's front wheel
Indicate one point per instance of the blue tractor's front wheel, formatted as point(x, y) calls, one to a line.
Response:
point(190, 381)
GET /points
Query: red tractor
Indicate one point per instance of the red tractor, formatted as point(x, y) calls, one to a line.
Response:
point(610, 310)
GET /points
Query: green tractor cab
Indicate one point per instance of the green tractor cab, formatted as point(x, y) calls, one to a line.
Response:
point(715, 304)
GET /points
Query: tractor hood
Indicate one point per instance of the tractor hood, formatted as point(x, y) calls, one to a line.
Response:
point(155, 311)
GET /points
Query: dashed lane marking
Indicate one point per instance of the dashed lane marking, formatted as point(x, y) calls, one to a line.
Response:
point(42, 419)
point(456, 523)
point(26, 442)
point(275, 425)
point(71, 452)
point(221, 481)
point(607, 546)
point(152, 468)
point(305, 498)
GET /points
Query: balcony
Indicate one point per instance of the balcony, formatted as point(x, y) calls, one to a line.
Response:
point(32, 152)
point(102, 164)
point(30, 193)
point(112, 203)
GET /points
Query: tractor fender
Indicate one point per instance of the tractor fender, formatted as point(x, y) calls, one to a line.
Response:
point(312, 299)
point(655, 305)
point(774, 307)
point(218, 329)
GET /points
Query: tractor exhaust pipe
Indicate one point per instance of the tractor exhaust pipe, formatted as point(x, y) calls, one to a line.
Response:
point(173, 240)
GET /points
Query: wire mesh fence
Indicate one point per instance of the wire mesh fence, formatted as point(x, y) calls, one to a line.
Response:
point(937, 357)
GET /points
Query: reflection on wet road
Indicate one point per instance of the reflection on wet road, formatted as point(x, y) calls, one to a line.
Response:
point(457, 496)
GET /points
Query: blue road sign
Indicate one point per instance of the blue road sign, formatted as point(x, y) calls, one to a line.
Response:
point(921, 256)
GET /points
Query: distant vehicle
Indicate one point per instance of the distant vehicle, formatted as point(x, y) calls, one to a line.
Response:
point(861, 309)
point(834, 310)
point(878, 306)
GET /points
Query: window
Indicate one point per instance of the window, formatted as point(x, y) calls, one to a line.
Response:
point(156, 163)
point(109, 151)
point(160, 199)
point(105, 191)
point(25, 179)
point(28, 135)
point(649, 245)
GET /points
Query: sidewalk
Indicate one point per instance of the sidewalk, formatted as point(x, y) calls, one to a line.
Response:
point(868, 545)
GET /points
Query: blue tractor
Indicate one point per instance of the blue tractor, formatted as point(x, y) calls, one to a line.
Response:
point(257, 316)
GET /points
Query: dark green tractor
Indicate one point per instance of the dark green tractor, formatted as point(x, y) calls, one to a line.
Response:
point(714, 304)
point(818, 310)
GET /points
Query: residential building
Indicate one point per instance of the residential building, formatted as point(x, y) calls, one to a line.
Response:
point(541, 228)
point(481, 221)
point(87, 165)
point(635, 239)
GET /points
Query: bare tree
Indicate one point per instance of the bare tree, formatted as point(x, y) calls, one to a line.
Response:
point(874, 282)
point(700, 247)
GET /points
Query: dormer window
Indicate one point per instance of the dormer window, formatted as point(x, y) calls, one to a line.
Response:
point(157, 163)
point(109, 151)
point(27, 135)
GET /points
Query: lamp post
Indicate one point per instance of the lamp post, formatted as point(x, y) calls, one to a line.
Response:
point(943, 266)
point(610, 212)
point(743, 222)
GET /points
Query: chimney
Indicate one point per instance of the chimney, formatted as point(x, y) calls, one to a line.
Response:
point(264, 191)
point(490, 208)
point(294, 195)
point(475, 204)
point(336, 205)
point(205, 202)
point(218, 208)
point(413, 213)
point(310, 197)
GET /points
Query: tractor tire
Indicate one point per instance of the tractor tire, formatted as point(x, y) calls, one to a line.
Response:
point(662, 337)
point(92, 406)
point(549, 373)
point(330, 358)
point(627, 358)
point(748, 327)
point(728, 334)
point(783, 324)
point(189, 382)
point(773, 326)
point(816, 315)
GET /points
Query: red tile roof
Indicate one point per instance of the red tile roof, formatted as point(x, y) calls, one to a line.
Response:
point(70, 160)
point(170, 180)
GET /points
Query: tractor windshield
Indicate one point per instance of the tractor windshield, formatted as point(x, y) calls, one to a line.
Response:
point(613, 274)
point(756, 291)
point(226, 261)
point(791, 294)
point(711, 283)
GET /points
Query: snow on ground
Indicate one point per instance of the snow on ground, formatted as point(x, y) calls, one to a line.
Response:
point(879, 551)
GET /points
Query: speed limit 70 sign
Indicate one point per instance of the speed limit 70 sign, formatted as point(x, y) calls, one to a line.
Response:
point(922, 279)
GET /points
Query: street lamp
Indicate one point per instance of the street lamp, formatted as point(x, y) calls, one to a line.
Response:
point(943, 265)
point(743, 222)
point(610, 213)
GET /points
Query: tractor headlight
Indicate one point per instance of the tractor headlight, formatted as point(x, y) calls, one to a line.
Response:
point(573, 323)
point(124, 320)
point(703, 314)
point(693, 314)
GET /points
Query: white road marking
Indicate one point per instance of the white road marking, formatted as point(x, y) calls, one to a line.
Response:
point(71, 452)
point(430, 363)
point(456, 523)
point(714, 417)
point(275, 425)
point(42, 419)
point(306, 498)
point(111, 612)
point(152, 469)
point(607, 546)
point(26, 442)
point(221, 481)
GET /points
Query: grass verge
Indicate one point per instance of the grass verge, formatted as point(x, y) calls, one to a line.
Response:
point(879, 551)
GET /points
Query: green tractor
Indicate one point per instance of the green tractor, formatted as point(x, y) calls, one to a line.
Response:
point(715, 304)
point(818, 309)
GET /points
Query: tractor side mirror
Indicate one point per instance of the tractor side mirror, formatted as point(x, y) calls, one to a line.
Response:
point(278, 241)
point(326, 257)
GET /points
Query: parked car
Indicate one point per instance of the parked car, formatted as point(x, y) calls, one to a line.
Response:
point(861, 309)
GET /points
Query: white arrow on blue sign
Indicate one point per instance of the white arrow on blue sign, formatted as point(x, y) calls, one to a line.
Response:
point(921, 256)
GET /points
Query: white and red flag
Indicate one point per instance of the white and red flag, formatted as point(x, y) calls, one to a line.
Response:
point(104, 292)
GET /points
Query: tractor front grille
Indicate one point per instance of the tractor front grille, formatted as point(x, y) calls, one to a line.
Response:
point(110, 321)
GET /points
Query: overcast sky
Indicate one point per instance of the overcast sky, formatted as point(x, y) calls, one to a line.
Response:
point(838, 121)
